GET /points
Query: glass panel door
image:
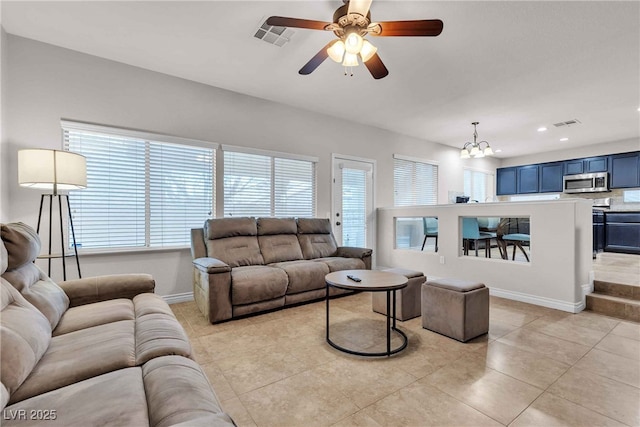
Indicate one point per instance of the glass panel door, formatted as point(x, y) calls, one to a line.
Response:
point(353, 203)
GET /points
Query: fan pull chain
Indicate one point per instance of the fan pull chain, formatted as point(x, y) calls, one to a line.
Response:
point(348, 71)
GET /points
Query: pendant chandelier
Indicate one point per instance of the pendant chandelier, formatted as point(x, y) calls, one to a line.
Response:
point(475, 149)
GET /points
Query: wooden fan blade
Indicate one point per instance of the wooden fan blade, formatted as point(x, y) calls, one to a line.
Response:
point(359, 6)
point(318, 59)
point(376, 67)
point(281, 21)
point(425, 27)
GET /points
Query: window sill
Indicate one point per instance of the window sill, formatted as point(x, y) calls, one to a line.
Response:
point(127, 251)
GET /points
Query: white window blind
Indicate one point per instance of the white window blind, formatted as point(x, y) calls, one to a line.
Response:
point(294, 192)
point(478, 185)
point(140, 192)
point(354, 207)
point(267, 185)
point(181, 189)
point(414, 182)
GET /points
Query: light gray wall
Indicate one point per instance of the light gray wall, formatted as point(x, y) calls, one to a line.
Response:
point(4, 158)
point(47, 83)
point(575, 153)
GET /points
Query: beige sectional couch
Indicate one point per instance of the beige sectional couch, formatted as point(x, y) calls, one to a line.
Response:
point(95, 351)
point(247, 265)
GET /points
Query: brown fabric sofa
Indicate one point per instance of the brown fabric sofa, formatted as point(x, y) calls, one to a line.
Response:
point(248, 265)
point(96, 351)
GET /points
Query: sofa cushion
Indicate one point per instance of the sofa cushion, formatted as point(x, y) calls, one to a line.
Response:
point(178, 392)
point(236, 251)
point(25, 336)
point(317, 245)
point(158, 332)
point(220, 228)
point(21, 242)
point(339, 263)
point(80, 355)
point(314, 226)
point(271, 226)
point(4, 258)
point(23, 245)
point(89, 315)
point(115, 398)
point(39, 290)
point(278, 248)
point(257, 283)
point(304, 275)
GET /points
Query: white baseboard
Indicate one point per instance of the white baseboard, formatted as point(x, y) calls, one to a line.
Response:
point(542, 301)
point(176, 298)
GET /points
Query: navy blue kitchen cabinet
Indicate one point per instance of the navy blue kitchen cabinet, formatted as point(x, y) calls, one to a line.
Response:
point(551, 177)
point(573, 167)
point(527, 179)
point(598, 232)
point(596, 164)
point(625, 170)
point(506, 181)
point(622, 232)
point(587, 165)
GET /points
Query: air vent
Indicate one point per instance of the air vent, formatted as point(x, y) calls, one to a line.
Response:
point(567, 123)
point(273, 35)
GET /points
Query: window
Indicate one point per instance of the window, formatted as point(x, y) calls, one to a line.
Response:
point(258, 183)
point(415, 182)
point(143, 190)
point(478, 185)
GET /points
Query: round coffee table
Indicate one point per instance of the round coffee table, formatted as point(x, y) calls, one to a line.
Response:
point(370, 281)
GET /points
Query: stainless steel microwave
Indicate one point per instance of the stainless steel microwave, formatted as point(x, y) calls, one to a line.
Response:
point(586, 183)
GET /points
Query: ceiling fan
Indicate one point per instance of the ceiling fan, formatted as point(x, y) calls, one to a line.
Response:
point(351, 23)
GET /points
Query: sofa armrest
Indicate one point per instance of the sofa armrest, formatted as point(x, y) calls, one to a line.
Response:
point(212, 289)
point(103, 288)
point(211, 265)
point(351, 252)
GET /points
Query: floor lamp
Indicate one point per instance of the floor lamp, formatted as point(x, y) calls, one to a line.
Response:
point(54, 170)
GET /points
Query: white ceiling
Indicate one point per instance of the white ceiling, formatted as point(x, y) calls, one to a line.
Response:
point(511, 65)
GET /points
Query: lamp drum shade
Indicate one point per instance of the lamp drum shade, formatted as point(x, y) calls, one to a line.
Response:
point(52, 169)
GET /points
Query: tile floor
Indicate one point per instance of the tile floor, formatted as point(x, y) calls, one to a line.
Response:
point(536, 367)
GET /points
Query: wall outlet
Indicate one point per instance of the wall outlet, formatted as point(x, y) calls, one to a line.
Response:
point(442, 260)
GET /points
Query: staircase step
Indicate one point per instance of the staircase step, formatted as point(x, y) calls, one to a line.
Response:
point(614, 306)
point(617, 289)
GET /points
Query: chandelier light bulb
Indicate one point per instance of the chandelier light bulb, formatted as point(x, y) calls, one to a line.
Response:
point(336, 51)
point(488, 151)
point(353, 43)
point(350, 60)
point(474, 151)
point(464, 154)
point(367, 51)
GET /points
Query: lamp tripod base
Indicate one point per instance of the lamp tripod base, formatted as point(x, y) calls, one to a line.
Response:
point(63, 255)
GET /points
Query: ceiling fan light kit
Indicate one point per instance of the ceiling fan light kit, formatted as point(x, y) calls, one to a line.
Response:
point(351, 23)
point(476, 151)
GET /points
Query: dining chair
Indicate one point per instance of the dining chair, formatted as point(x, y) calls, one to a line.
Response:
point(430, 229)
point(471, 231)
point(508, 233)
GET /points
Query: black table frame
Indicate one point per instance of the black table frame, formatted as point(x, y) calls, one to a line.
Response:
point(391, 326)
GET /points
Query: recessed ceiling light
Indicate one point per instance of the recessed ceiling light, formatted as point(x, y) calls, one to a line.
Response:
point(497, 151)
point(542, 129)
point(564, 139)
point(638, 108)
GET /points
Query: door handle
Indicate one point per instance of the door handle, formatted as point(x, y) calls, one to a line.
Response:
point(338, 223)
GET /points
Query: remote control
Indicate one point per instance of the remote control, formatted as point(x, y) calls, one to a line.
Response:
point(354, 278)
